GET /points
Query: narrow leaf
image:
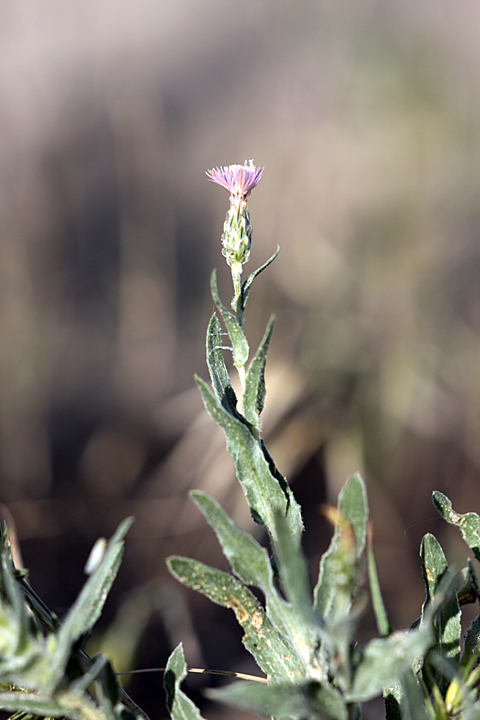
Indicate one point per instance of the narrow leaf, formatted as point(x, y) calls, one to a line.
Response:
point(381, 617)
point(64, 704)
point(337, 577)
point(31, 703)
point(293, 569)
point(274, 655)
point(339, 567)
point(88, 607)
point(469, 524)
point(447, 620)
point(254, 395)
point(261, 482)
point(352, 503)
point(216, 366)
point(248, 282)
point(234, 329)
point(413, 702)
point(248, 559)
point(251, 563)
point(386, 660)
point(179, 705)
point(301, 700)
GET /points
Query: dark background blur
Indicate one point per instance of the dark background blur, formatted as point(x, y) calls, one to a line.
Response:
point(366, 116)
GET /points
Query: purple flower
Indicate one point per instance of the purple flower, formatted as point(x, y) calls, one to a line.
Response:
point(239, 180)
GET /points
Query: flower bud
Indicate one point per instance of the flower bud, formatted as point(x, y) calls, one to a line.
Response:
point(239, 180)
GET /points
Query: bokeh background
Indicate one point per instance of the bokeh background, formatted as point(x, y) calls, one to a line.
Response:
point(366, 116)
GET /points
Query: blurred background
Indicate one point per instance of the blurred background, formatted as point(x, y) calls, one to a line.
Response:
point(366, 116)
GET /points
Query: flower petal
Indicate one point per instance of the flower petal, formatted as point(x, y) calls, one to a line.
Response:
point(239, 180)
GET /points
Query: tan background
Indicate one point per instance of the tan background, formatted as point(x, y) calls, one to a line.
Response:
point(366, 116)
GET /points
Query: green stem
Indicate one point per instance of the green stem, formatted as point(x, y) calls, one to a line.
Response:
point(241, 375)
point(236, 270)
point(236, 305)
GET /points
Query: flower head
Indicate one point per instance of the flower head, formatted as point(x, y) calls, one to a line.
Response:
point(239, 180)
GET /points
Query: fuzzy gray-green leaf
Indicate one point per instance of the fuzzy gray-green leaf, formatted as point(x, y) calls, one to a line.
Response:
point(413, 702)
point(254, 395)
point(293, 570)
point(384, 661)
point(468, 524)
point(274, 655)
point(248, 282)
point(66, 704)
point(248, 559)
point(88, 607)
point(32, 703)
point(251, 563)
point(234, 329)
point(179, 705)
point(221, 383)
point(339, 566)
point(352, 503)
point(287, 701)
point(265, 491)
point(337, 577)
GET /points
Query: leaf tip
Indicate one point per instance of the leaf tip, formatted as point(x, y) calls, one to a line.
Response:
point(441, 502)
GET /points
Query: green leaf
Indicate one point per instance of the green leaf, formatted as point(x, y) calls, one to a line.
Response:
point(88, 607)
point(352, 503)
point(293, 570)
point(216, 366)
point(383, 623)
point(234, 329)
point(413, 701)
point(254, 395)
point(31, 703)
point(300, 700)
point(248, 559)
point(339, 567)
point(72, 705)
point(179, 705)
point(274, 655)
point(469, 524)
point(447, 620)
point(248, 282)
point(251, 563)
point(267, 492)
point(384, 661)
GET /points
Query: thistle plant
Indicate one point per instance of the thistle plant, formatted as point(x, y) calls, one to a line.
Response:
point(302, 638)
